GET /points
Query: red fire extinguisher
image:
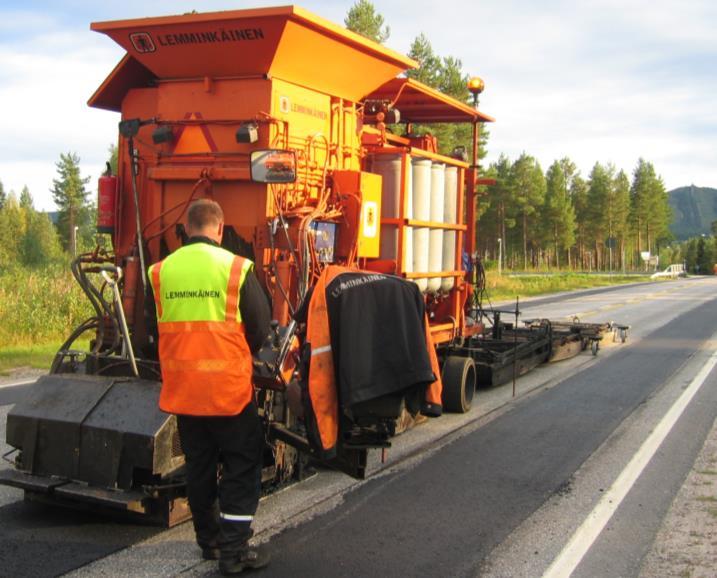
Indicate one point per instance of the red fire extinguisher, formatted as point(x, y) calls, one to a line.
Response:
point(106, 202)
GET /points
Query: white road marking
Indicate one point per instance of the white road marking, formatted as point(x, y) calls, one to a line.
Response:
point(16, 383)
point(584, 537)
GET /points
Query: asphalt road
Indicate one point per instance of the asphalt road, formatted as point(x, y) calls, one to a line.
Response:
point(444, 516)
point(497, 495)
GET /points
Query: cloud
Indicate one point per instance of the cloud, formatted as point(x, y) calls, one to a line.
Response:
point(600, 80)
point(45, 82)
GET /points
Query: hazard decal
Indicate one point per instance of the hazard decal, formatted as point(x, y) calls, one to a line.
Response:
point(194, 138)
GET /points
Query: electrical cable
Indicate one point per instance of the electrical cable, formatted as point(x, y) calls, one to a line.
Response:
point(138, 220)
point(184, 204)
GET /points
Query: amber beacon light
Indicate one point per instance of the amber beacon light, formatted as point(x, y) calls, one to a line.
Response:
point(475, 87)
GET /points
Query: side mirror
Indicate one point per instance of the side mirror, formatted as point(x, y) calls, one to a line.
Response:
point(273, 166)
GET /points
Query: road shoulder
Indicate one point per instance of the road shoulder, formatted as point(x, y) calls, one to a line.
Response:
point(686, 544)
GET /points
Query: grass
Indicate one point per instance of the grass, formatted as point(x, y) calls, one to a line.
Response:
point(35, 356)
point(503, 287)
point(39, 308)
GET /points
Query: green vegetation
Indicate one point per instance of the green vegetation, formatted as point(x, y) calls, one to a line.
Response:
point(39, 306)
point(504, 287)
point(695, 209)
point(533, 220)
point(363, 19)
point(35, 356)
point(70, 196)
point(699, 254)
point(442, 73)
point(38, 310)
point(40, 302)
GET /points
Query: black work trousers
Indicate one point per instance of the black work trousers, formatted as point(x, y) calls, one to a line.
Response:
point(223, 508)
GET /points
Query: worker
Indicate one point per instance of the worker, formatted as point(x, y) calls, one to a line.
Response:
point(212, 314)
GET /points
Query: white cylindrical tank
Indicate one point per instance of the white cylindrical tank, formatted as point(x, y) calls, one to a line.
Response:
point(450, 217)
point(421, 169)
point(389, 167)
point(408, 232)
point(435, 243)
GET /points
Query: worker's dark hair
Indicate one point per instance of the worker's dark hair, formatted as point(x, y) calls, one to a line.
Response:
point(204, 212)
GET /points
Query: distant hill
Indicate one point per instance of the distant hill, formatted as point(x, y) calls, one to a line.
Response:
point(694, 210)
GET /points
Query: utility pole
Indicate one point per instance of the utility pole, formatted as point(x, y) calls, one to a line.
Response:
point(500, 256)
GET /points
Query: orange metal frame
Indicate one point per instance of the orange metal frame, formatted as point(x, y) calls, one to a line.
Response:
point(303, 81)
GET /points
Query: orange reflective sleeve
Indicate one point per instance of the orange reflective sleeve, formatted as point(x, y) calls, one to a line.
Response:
point(322, 376)
point(233, 288)
point(435, 389)
point(322, 386)
point(155, 287)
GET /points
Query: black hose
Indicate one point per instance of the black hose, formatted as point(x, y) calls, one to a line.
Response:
point(87, 325)
point(101, 306)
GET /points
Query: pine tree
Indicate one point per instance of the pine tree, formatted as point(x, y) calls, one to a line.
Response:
point(691, 254)
point(363, 19)
point(13, 227)
point(579, 196)
point(558, 211)
point(3, 196)
point(621, 212)
point(599, 210)
point(650, 209)
point(26, 200)
point(40, 244)
point(705, 257)
point(528, 188)
point(70, 196)
point(429, 65)
point(113, 160)
point(498, 210)
point(446, 75)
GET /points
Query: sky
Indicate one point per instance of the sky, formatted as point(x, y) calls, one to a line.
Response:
point(607, 81)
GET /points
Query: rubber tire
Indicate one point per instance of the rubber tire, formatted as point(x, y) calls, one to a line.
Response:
point(459, 379)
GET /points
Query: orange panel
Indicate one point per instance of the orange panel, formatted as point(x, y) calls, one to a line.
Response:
point(418, 102)
point(286, 42)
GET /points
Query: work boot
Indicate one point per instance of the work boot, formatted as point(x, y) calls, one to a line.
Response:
point(249, 557)
point(211, 553)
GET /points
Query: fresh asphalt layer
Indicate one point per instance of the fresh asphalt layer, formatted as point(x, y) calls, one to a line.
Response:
point(445, 515)
point(41, 541)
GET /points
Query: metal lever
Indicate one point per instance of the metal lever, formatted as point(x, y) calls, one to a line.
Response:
point(114, 284)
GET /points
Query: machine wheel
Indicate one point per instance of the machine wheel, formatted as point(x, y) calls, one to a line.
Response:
point(595, 346)
point(459, 383)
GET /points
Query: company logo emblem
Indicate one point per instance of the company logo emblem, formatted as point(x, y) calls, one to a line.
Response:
point(142, 42)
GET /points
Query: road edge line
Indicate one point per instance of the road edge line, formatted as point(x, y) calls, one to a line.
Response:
point(585, 536)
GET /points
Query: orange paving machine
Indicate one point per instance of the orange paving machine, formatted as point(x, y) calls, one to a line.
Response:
point(304, 134)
